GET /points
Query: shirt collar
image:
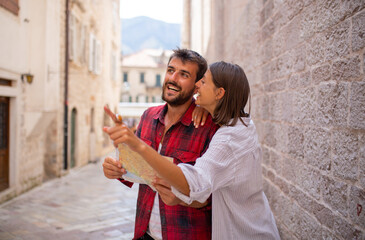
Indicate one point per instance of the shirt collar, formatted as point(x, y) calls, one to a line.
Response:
point(186, 119)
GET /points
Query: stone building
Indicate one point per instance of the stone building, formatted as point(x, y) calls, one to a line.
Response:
point(143, 75)
point(305, 64)
point(38, 86)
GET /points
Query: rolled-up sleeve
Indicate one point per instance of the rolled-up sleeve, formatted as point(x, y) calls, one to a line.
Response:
point(212, 171)
point(199, 185)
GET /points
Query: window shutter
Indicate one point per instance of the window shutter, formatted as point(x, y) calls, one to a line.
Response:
point(71, 37)
point(91, 52)
point(98, 58)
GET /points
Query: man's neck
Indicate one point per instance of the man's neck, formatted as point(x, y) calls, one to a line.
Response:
point(174, 113)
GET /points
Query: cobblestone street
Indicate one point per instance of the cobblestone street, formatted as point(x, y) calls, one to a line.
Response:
point(81, 205)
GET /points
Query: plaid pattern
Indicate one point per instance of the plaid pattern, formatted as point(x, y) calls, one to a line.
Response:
point(184, 143)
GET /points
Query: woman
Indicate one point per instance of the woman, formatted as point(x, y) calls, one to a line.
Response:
point(230, 169)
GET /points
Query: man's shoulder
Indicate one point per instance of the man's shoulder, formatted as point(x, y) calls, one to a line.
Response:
point(151, 111)
point(209, 125)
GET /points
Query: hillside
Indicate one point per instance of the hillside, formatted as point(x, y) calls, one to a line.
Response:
point(144, 32)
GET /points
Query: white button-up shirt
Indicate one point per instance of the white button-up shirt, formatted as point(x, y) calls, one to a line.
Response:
point(230, 170)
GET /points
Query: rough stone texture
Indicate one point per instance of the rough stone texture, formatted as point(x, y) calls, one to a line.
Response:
point(321, 74)
point(362, 160)
point(345, 154)
point(317, 147)
point(305, 106)
point(305, 60)
point(357, 105)
point(335, 195)
point(332, 104)
point(356, 206)
point(346, 69)
point(358, 32)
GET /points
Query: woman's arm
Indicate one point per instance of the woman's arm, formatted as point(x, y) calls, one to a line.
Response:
point(166, 169)
point(169, 198)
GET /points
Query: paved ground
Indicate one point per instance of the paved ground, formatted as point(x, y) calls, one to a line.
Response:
point(81, 205)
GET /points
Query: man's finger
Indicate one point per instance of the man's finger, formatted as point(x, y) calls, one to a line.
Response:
point(110, 113)
point(111, 161)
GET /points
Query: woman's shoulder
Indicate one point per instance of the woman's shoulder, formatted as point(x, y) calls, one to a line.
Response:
point(240, 129)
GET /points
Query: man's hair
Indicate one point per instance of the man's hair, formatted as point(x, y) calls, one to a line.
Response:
point(186, 55)
point(233, 80)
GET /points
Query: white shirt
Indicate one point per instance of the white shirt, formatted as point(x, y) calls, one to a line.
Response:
point(154, 225)
point(230, 170)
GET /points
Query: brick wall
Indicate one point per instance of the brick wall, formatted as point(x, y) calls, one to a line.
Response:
point(305, 63)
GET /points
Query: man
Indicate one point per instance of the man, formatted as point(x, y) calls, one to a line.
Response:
point(170, 130)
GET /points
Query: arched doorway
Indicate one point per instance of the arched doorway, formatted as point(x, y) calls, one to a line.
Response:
point(73, 137)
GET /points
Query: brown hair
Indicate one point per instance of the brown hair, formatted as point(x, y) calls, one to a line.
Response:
point(233, 80)
point(186, 55)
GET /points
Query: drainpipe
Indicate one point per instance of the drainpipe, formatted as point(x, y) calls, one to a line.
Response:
point(65, 135)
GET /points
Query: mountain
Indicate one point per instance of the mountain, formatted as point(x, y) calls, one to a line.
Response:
point(144, 32)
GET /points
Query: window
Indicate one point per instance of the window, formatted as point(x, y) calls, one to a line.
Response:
point(158, 80)
point(82, 48)
point(114, 68)
point(94, 55)
point(10, 5)
point(72, 37)
point(125, 77)
point(141, 77)
point(116, 17)
point(125, 97)
point(77, 33)
point(98, 58)
point(140, 99)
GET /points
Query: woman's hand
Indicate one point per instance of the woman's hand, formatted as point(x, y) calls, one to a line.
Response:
point(199, 116)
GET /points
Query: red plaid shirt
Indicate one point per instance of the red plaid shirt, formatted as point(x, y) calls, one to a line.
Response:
point(184, 143)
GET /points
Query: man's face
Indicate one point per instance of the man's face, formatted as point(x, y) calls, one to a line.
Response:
point(179, 84)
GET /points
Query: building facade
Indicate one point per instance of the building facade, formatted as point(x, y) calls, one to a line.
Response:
point(38, 140)
point(305, 64)
point(143, 75)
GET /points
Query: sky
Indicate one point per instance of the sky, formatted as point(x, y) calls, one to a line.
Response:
point(170, 11)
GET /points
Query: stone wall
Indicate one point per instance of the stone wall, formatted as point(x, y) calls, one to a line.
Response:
point(305, 63)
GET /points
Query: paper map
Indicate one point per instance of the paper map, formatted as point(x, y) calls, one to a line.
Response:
point(138, 170)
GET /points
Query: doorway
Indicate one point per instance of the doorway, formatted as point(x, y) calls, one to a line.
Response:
point(4, 143)
point(73, 137)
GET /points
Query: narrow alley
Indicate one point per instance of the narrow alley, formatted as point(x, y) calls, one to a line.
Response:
point(81, 205)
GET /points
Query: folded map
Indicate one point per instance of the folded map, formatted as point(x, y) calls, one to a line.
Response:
point(138, 170)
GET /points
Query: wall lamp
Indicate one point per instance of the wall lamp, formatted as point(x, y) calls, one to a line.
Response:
point(28, 77)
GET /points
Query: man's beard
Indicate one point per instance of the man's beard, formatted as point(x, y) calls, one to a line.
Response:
point(181, 98)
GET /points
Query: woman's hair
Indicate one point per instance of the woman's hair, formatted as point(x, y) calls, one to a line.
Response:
point(187, 55)
point(233, 80)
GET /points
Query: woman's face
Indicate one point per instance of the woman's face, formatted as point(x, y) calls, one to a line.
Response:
point(207, 92)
